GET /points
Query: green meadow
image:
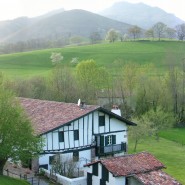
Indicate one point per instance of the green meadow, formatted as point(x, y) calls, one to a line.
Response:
point(169, 150)
point(11, 181)
point(112, 56)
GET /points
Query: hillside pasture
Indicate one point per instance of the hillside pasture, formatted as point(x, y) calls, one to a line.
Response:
point(112, 56)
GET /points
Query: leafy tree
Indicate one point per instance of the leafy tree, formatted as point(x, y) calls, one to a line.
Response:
point(149, 33)
point(180, 29)
point(159, 29)
point(159, 120)
point(171, 33)
point(95, 37)
point(112, 35)
point(17, 138)
point(56, 58)
point(141, 131)
point(135, 31)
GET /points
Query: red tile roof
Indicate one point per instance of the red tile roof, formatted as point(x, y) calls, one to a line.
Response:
point(131, 164)
point(156, 177)
point(48, 115)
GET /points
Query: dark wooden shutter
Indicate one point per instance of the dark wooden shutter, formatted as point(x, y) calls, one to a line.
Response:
point(105, 174)
point(89, 178)
point(95, 169)
point(102, 182)
point(106, 140)
point(61, 136)
point(113, 139)
point(102, 120)
point(76, 134)
point(101, 144)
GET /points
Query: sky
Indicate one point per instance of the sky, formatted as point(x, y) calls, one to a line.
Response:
point(11, 9)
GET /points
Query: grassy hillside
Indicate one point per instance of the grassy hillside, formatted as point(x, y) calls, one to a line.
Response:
point(10, 181)
point(110, 55)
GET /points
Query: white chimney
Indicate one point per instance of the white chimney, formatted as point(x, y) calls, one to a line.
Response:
point(115, 109)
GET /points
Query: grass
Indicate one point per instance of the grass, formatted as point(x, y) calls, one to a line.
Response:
point(170, 153)
point(176, 135)
point(113, 56)
point(11, 181)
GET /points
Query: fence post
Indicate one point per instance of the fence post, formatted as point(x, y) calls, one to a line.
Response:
point(38, 181)
point(32, 180)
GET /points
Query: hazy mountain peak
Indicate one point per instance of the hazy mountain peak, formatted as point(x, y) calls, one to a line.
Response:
point(140, 14)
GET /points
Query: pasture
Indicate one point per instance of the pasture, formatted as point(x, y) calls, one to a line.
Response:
point(169, 150)
point(112, 56)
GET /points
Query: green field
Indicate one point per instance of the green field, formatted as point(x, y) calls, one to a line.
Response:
point(110, 55)
point(170, 153)
point(10, 181)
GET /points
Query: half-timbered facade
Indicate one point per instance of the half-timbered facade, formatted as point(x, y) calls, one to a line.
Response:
point(85, 132)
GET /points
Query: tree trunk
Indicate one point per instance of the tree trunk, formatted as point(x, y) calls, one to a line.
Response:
point(135, 146)
point(2, 163)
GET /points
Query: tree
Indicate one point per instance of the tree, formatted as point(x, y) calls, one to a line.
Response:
point(112, 35)
point(17, 138)
point(171, 33)
point(141, 131)
point(56, 58)
point(159, 30)
point(95, 37)
point(149, 33)
point(135, 31)
point(180, 29)
point(160, 120)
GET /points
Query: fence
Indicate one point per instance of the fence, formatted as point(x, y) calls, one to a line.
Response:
point(31, 179)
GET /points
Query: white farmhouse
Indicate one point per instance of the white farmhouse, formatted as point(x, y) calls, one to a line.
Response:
point(85, 132)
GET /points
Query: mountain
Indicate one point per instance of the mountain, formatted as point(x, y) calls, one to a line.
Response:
point(140, 14)
point(58, 24)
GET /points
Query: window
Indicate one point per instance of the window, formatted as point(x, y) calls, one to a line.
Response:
point(110, 140)
point(61, 136)
point(76, 134)
point(51, 159)
point(102, 120)
point(95, 169)
point(75, 156)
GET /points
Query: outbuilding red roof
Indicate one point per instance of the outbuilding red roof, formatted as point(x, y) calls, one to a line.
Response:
point(131, 164)
point(48, 115)
point(156, 177)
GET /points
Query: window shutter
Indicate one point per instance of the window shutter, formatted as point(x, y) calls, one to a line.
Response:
point(76, 134)
point(61, 136)
point(106, 140)
point(95, 169)
point(113, 139)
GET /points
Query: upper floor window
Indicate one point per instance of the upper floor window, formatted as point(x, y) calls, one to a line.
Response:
point(102, 120)
point(110, 140)
point(76, 134)
point(61, 136)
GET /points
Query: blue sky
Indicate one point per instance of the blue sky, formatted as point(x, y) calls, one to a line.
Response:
point(10, 9)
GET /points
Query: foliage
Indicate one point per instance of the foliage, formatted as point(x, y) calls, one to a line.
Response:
point(56, 58)
point(159, 30)
point(180, 31)
point(135, 31)
point(17, 138)
point(112, 35)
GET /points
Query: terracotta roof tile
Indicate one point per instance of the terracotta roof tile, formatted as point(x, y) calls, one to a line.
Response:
point(157, 177)
point(131, 164)
point(48, 115)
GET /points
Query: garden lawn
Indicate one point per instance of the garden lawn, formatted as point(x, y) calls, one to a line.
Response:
point(4, 180)
point(170, 153)
point(175, 134)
